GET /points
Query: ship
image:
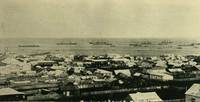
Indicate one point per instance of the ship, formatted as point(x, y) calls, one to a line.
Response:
point(66, 43)
point(165, 42)
point(192, 44)
point(187, 44)
point(179, 47)
point(112, 46)
point(100, 43)
point(146, 43)
point(135, 45)
point(28, 45)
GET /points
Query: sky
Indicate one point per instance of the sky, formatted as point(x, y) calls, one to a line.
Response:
point(100, 18)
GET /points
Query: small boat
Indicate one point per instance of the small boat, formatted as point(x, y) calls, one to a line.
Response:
point(146, 43)
point(179, 47)
point(192, 44)
point(28, 45)
point(66, 43)
point(165, 42)
point(136, 45)
point(112, 46)
point(100, 43)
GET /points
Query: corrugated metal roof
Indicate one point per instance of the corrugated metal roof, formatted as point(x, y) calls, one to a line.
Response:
point(123, 71)
point(194, 90)
point(9, 91)
point(145, 97)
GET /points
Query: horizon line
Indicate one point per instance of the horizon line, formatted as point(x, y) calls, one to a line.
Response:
point(99, 37)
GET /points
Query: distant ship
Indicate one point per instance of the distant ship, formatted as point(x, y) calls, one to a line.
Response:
point(197, 43)
point(112, 46)
point(66, 43)
point(187, 44)
point(136, 45)
point(179, 47)
point(146, 43)
point(99, 43)
point(28, 45)
point(165, 42)
point(192, 44)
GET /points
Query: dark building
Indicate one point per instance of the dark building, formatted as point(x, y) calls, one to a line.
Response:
point(9, 94)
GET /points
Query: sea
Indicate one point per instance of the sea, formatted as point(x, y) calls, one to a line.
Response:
point(118, 46)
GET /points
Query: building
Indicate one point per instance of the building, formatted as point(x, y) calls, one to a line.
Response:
point(3, 80)
point(161, 75)
point(193, 93)
point(145, 97)
point(78, 69)
point(9, 94)
point(103, 73)
point(123, 71)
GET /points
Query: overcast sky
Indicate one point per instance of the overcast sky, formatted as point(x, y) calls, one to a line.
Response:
point(100, 18)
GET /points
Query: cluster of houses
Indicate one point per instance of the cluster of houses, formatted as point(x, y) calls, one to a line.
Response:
point(54, 76)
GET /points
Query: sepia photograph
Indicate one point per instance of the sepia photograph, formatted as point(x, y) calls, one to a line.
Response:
point(100, 50)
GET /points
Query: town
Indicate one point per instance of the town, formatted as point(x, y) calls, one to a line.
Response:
point(110, 77)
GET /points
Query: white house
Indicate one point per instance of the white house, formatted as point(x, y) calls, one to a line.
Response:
point(145, 97)
point(193, 93)
point(159, 74)
point(123, 71)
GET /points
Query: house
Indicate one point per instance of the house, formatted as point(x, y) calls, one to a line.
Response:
point(123, 71)
point(3, 80)
point(103, 73)
point(11, 61)
point(43, 63)
point(78, 69)
point(159, 75)
point(175, 63)
point(56, 73)
point(57, 67)
point(112, 55)
point(19, 83)
point(99, 62)
point(161, 63)
point(146, 64)
point(175, 70)
point(193, 93)
point(9, 94)
point(120, 62)
point(88, 77)
point(145, 97)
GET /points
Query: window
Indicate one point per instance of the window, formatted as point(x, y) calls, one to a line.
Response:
point(193, 99)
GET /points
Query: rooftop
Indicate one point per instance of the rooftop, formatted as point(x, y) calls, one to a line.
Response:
point(194, 90)
point(145, 97)
point(124, 71)
point(9, 91)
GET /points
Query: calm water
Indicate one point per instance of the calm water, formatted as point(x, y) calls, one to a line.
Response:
point(120, 46)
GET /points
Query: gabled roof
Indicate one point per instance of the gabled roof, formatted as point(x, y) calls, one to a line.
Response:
point(123, 71)
point(165, 76)
point(102, 71)
point(175, 70)
point(120, 59)
point(194, 90)
point(9, 91)
point(145, 97)
point(99, 60)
